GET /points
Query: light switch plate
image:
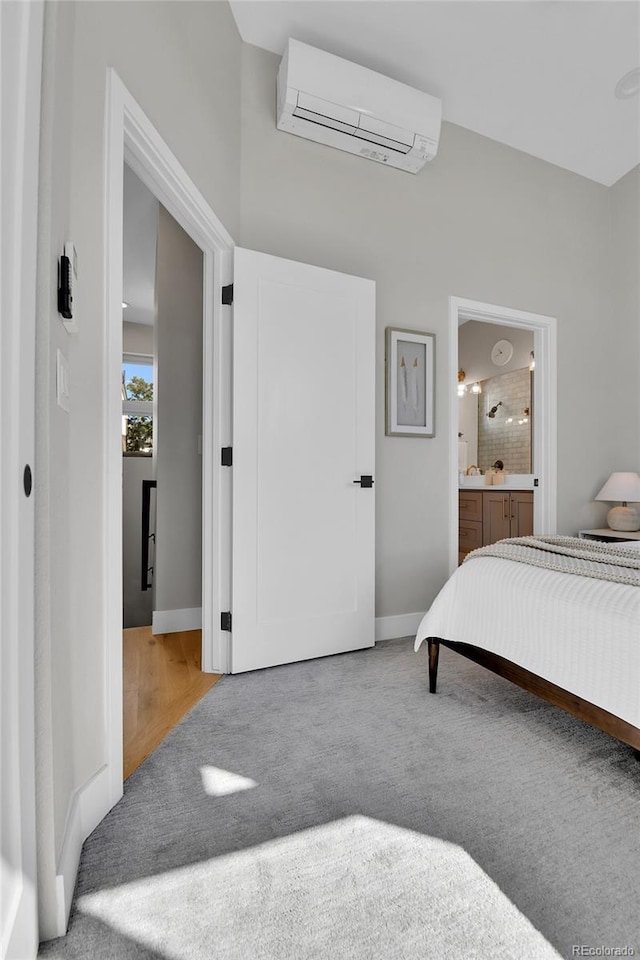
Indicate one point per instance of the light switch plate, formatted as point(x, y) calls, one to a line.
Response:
point(62, 381)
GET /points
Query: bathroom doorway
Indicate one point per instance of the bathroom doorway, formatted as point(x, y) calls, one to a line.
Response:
point(542, 454)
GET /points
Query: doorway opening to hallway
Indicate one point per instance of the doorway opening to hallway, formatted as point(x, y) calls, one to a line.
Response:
point(161, 386)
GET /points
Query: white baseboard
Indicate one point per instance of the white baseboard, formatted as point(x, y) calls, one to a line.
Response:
point(19, 937)
point(402, 625)
point(87, 806)
point(173, 621)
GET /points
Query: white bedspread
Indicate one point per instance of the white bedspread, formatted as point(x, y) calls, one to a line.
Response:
point(579, 633)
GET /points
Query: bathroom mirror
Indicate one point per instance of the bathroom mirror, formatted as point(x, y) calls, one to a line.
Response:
point(495, 369)
point(497, 423)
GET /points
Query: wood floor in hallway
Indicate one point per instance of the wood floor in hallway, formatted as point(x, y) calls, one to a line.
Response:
point(162, 680)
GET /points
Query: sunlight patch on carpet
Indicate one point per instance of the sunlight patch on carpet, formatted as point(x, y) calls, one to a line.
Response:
point(221, 783)
point(352, 888)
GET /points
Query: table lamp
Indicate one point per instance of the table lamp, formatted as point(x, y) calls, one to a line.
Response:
point(626, 488)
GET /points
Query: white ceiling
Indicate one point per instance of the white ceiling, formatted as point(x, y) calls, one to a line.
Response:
point(538, 75)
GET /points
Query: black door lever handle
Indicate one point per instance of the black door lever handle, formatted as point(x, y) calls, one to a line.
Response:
point(365, 481)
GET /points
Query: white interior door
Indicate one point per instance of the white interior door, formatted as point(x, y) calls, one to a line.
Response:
point(303, 433)
point(21, 28)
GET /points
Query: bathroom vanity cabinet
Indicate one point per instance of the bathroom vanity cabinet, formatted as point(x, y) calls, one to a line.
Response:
point(486, 516)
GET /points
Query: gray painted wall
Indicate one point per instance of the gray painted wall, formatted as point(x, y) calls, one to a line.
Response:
point(622, 352)
point(56, 685)
point(178, 422)
point(181, 62)
point(481, 221)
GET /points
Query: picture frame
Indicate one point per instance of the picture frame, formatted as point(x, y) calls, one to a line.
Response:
point(409, 383)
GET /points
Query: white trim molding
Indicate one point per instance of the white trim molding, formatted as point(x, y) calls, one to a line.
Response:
point(174, 621)
point(545, 403)
point(130, 137)
point(400, 625)
point(85, 811)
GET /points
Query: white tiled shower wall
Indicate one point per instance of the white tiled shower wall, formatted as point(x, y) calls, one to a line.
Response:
point(497, 439)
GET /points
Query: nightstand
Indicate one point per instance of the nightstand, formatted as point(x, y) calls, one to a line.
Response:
point(609, 536)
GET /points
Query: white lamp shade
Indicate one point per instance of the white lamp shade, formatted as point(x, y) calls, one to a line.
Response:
point(623, 487)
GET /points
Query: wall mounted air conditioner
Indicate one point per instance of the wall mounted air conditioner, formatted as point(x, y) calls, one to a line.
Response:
point(333, 101)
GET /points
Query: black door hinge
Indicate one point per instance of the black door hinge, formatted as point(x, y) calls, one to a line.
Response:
point(227, 295)
point(225, 621)
point(227, 457)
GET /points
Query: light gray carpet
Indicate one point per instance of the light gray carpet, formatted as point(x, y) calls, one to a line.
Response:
point(336, 809)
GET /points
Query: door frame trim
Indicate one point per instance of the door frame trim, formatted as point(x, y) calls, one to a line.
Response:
point(545, 402)
point(130, 137)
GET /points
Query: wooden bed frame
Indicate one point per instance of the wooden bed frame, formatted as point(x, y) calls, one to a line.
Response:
point(544, 689)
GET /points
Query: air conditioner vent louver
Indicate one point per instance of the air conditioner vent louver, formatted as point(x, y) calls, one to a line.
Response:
point(323, 120)
point(338, 103)
point(361, 132)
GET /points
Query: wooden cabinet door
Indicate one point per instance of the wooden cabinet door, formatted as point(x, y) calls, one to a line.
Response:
point(470, 505)
point(521, 513)
point(496, 516)
point(469, 522)
point(469, 537)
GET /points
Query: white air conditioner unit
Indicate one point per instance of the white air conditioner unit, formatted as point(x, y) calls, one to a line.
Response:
point(325, 98)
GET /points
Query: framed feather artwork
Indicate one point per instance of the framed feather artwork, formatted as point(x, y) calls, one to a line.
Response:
point(410, 383)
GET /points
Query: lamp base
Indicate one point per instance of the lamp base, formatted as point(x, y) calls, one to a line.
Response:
point(623, 518)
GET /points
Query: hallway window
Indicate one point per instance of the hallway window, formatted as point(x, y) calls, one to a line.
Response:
point(137, 404)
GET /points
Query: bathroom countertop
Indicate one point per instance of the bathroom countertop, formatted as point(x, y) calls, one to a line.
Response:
point(497, 486)
point(512, 482)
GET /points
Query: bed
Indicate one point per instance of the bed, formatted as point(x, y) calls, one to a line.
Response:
point(571, 639)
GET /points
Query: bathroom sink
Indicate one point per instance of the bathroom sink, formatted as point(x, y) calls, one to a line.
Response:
point(472, 481)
